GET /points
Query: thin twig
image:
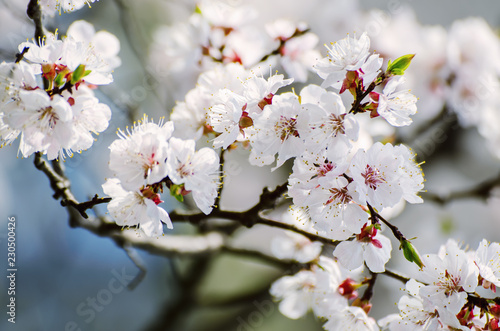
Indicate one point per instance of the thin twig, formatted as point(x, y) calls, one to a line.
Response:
point(278, 50)
point(219, 190)
point(138, 45)
point(369, 290)
point(480, 191)
point(361, 95)
point(83, 206)
point(247, 219)
point(137, 260)
point(19, 56)
point(396, 276)
point(257, 255)
point(170, 315)
point(395, 231)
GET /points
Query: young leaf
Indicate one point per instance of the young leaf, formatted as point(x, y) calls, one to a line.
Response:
point(398, 66)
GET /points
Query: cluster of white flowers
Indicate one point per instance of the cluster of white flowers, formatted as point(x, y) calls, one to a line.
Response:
point(333, 180)
point(47, 97)
point(456, 69)
point(445, 297)
point(146, 158)
point(227, 32)
point(326, 289)
point(339, 182)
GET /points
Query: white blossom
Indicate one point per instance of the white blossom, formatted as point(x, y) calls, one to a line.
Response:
point(348, 54)
point(384, 174)
point(224, 118)
point(413, 315)
point(65, 56)
point(369, 247)
point(297, 49)
point(45, 123)
point(136, 208)
point(277, 131)
point(332, 208)
point(259, 92)
point(191, 116)
point(104, 43)
point(314, 289)
point(330, 126)
point(307, 169)
point(138, 157)
point(487, 259)
point(89, 116)
point(350, 318)
point(51, 6)
point(396, 106)
point(450, 276)
point(197, 170)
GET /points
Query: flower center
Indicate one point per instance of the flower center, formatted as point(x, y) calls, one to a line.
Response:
point(149, 164)
point(450, 284)
point(184, 170)
point(50, 116)
point(336, 124)
point(285, 128)
point(325, 168)
point(373, 177)
point(339, 195)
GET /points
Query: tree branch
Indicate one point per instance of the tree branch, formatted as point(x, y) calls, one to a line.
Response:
point(257, 255)
point(396, 276)
point(369, 290)
point(35, 13)
point(137, 260)
point(83, 206)
point(481, 191)
point(395, 231)
point(248, 219)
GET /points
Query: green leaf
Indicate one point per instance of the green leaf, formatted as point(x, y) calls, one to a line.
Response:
point(411, 253)
point(176, 192)
point(59, 79)
point(78, 74)
point(399, 65)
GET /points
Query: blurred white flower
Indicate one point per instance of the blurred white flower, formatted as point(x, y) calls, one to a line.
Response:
point(296, 247)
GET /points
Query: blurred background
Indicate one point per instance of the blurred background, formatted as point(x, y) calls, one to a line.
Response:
point(62, 269)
